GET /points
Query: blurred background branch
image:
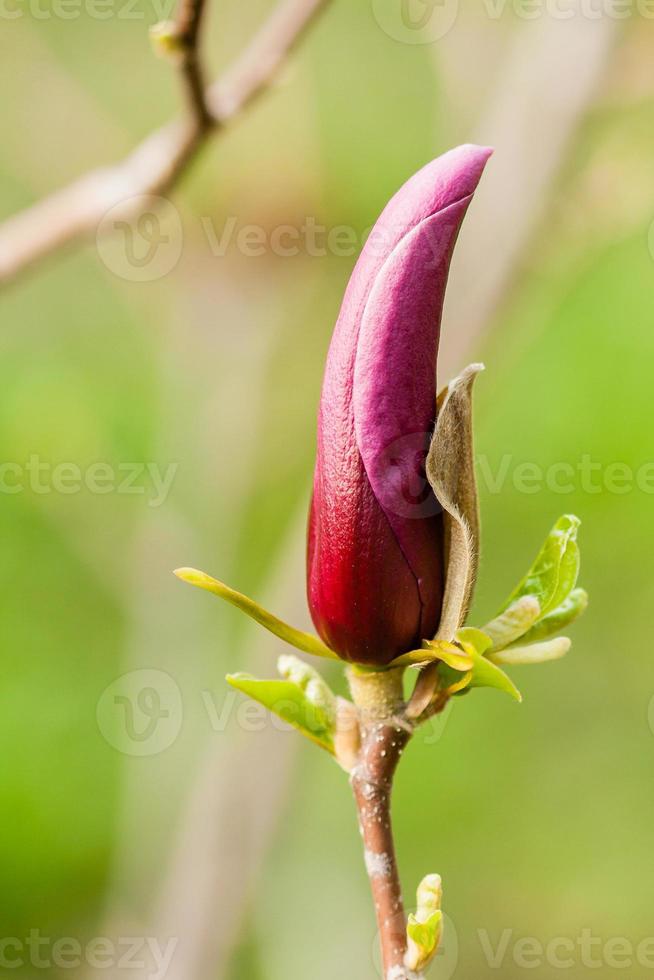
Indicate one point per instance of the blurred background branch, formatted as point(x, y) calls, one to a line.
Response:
point(159, 161)
point(183, 35)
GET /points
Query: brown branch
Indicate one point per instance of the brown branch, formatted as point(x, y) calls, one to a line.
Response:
point(158, 162)
point(372, 782)
point(186, 30)
point(378, 697)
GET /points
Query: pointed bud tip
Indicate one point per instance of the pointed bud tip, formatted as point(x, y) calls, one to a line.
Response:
point(430, 891)
point(433, 881)
point(482, 153)
point(453, 177)
point(472, 158)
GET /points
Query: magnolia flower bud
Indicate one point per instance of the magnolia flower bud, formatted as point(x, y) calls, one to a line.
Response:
point(375, 552)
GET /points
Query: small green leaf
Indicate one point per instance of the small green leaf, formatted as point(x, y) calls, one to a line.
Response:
point(558, 619)
point(536, 653)
point(425, 933)
point(487, 674)
point(475, 638)
point(450, 654)
point(296, 638)
point(423, 939)
point(452, 681)
point(459, 683)
point(433, 650)
point(484, 672)
point(568, 574)
point(553, 574)
point(510, 625)
point(314, 687)
point(424, 928)
point(286, 699)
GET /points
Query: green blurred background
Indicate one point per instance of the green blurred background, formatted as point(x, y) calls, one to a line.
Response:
point(241, 844)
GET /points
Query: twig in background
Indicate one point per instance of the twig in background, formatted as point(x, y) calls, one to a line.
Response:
point(158, 162)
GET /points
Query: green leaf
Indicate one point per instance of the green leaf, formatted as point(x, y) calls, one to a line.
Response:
point(510, 625)
point(568, 575)
point(450, 654)
point(558, 619)
point(475, 638)
point(536, 653)
point(554, 573)
point(425, 934)
point(423, 939)
point(289, 701)
point(452, 681)
point(484, 672)
point(487, 674)
point(296, 638)
point(311, 683)
point(424, 928)
point(434, 650)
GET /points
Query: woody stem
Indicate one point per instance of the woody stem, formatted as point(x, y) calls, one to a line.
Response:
point(383, 740)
